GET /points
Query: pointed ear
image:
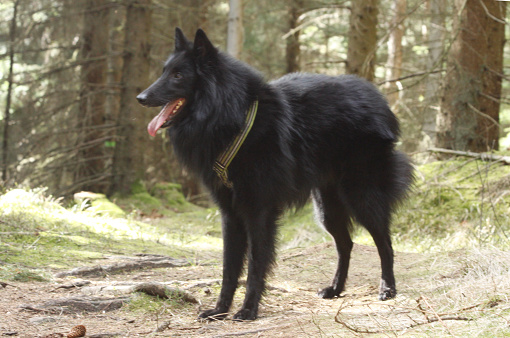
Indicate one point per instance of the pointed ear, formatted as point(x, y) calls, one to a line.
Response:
point(181, 42)
point(202, 47)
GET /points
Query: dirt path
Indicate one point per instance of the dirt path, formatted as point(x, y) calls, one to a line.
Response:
point(290, 308)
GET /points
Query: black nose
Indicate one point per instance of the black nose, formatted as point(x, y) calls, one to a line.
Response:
point(142, 98)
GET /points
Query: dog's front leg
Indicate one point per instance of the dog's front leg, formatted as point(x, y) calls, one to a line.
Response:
point(261, 233)
point(234, 251)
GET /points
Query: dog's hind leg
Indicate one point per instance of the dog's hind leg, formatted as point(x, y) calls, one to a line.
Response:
point(374, 214)
point(261, 231)
point(332, 214)
point(234, 252)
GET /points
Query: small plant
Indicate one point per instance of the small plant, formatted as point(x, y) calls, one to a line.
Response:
point(21, 274)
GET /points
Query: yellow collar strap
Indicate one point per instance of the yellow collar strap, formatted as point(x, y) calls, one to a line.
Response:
point(224, 160)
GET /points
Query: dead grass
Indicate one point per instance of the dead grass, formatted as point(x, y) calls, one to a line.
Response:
point(468, 296)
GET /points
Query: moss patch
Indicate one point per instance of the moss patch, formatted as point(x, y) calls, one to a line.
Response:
point(38, 232)
point(98, 203)
point(163, 199)
point(455, 203)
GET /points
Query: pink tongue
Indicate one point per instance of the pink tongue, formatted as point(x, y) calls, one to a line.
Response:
point(161, 118)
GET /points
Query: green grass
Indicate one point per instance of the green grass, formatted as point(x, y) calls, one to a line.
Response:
point(23, 274)
point(37, 232)
point(143, 303)
point(456, 203)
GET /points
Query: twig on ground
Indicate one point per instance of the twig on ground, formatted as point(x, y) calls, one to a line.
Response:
point(481, 156)
point(385, 320)
point(244, 333)
point(163, 326)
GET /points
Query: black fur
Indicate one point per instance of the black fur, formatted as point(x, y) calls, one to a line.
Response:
point(329, 137)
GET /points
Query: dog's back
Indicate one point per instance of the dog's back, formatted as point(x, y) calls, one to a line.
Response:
point(344, 133)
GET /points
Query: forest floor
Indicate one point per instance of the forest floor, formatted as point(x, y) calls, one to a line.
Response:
point(444, 294)
point(452, 266)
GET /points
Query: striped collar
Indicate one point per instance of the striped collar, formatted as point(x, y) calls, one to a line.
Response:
point(221, 164)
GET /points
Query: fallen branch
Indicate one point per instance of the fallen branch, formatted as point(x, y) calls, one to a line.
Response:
point(376, 317)
point(135, 264)
point(253, 332)
point(432, 320)
point(78, 305)
point(73, 284)
point(164, 292)
point(150, 288)
point(481, 156)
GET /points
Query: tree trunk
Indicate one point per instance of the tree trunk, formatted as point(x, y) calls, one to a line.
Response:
point(469, 113)
point(394, 63)
point(235, 28)
point(436, 29)
point(130, 154)
point(91, 170)
point(362, 38)
point(293, 47)
point(7, 115)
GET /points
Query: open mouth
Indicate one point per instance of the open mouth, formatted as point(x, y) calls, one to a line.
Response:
point(165, 116)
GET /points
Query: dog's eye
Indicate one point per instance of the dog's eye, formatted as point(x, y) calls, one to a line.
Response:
point(177, 75)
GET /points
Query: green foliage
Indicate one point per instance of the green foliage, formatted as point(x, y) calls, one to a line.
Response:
point(456, 203)
point(143, 303)
point(22, 274)
point(162, 199)
point(299, 229)
point(504, 120)
point(138, 187)
point(170, 193)
point(37, 231)
point(101, 205)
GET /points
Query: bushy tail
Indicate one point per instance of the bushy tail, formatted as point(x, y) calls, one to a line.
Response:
point(403, 177)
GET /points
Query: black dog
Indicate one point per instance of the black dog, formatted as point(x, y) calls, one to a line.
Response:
point(263, 147)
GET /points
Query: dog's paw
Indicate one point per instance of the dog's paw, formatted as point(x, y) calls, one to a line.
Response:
point(213, 314)
point(329, 292)
point(387, 294)
point(387, 291)
point(245, 314)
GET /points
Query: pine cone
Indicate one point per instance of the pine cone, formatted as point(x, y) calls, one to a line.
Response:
point(77, 331)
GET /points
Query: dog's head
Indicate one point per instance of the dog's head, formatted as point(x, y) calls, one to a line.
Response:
point(173, 90)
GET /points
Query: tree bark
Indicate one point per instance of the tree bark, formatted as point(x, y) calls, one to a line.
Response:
point(235, 28)
point(395, 52)
point(469, 112)
point(93, 96)
point(7, 114)
point(130, 155)
point(436, 30)
point(362, 38)
point(292, 51)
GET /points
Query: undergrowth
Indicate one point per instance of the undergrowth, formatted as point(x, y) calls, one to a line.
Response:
point(37, 231)
point(458, 211)
point(454, 204)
